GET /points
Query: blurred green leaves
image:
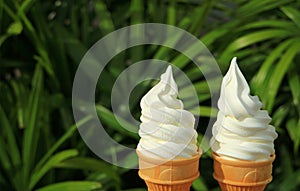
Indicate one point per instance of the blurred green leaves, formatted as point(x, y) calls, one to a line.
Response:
point(53, 160)
point(72, 186)
point(14, 29)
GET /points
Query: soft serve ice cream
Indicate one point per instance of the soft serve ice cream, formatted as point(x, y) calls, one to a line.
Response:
point(167, 130)
point(242, 129)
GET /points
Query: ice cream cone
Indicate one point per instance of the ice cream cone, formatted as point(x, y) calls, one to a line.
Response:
point(241, 175)
point(168, 175)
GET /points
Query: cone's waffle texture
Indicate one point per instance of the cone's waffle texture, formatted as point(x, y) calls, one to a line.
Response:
point(172, 175)
point(241, 175)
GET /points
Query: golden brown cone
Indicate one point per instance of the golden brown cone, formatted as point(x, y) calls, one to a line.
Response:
point(169, 175)
point(241, 175)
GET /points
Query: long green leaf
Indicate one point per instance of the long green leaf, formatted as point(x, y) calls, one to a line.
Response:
point(59, 142)
point(9, 11)
point(279, 72)
point(108, 118)
point(31, 127)
point(9, 153)
point(252, 8)
point(92, 164)
point(28, 24)
point(252, 38)
point(26, 5)
point(72, 186)
point(293, 127)
point(279, 116)
point(279, 24)
point(256, 37)
point(293, 14)
point(294, 84)
point(55, 159)
point(181, 60)
point(44, 60)
point(21, 105)
point(40, 22)
point(10, 137)
point(213, 35)
point(4, 159)
point(260, 81)
point(202, 13)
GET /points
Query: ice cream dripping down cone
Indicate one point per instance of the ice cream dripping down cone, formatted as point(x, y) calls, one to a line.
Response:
point(169, 175)
point(242, 175)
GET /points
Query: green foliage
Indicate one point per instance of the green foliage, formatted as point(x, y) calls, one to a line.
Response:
point(42, 43)
point(72, 186)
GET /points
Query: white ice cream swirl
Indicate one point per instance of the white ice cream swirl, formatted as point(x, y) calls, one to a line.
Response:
point(242, 129)
point(167, 130)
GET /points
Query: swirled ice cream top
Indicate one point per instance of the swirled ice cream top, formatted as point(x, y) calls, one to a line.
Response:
point(167, 130)
point(242, 129)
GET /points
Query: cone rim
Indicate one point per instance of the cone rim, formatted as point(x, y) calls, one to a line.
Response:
point(242, 163)
point(163, 161)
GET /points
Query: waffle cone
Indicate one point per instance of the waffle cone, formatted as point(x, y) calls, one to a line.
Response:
point(241, 175)
point(168, 175)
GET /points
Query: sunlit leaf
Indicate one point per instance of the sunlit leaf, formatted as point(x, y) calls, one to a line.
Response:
point(15, 28)
point(199, 185)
